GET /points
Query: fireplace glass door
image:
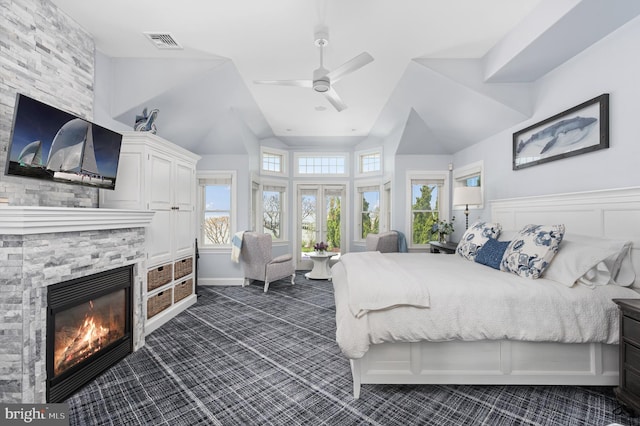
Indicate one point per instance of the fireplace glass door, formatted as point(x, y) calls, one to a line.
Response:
point(89, 328)
point(83, 330)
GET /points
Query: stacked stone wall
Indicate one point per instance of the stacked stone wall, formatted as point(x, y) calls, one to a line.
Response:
point(47, 56)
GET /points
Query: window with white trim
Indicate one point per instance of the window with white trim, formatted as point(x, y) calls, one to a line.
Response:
point(470, 175)
point(428, 194)
point(321, 164)
point(369, 162)
point(217, 208)
point(273, 211)
point(369, 210)
point(273, 161)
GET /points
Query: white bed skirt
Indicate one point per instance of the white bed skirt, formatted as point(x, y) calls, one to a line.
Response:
point(487, 363)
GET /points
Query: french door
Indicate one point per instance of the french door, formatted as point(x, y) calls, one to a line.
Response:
point(320, 218)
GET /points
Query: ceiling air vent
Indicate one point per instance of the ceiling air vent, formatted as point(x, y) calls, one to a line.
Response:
point(163, 40)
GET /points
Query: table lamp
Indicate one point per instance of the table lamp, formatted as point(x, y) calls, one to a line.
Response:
point(465, 195)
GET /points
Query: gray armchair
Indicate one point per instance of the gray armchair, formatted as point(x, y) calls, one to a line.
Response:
point(386, 242)
point(258, 263)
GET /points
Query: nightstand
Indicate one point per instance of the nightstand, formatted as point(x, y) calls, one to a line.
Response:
point(446, 248)
point(628, 391)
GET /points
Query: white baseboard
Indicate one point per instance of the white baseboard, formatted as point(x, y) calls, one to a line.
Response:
point(220, 281)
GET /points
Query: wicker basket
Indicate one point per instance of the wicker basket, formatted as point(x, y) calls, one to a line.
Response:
point(183, 267)
point(182, 290)
point(158, 277)
point(158, 303)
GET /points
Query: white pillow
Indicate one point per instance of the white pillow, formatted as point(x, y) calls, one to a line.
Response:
point(531, 251)
point(474, 238)
point(592, 261)
point(508, 235)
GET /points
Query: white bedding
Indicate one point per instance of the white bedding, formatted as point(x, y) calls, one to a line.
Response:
point(469, 301)
point(368, 288)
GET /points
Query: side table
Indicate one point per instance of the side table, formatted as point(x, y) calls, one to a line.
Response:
point(628, 390)
point(446, 248)
point(321, 270)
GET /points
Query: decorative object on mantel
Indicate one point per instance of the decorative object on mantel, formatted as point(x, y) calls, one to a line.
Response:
point(444, 229)
point(146, 122)
point(583, 128)
point(465, 195)
point(321, 247)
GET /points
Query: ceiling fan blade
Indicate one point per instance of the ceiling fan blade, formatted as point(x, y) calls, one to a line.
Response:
point(295, 83)
point(350, 66)
point(334, 99)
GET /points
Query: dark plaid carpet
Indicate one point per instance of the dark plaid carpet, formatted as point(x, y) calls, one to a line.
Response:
point(242, 357)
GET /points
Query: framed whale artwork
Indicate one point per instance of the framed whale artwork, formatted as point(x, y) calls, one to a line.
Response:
point(583, 128)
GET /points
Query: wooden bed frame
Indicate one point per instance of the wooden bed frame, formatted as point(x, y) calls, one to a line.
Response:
point(605, 214)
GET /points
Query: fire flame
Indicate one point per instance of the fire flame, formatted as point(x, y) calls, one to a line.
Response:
point(75, 344)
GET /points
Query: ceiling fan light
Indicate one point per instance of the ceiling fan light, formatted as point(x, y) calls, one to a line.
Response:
point(321, 85)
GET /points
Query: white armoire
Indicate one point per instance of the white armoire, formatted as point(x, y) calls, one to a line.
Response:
point(157, 175)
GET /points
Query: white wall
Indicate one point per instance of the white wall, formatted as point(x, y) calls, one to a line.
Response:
point(609, 66)
point(102, 94)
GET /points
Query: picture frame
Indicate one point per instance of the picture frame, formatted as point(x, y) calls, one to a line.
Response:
point(578, 130)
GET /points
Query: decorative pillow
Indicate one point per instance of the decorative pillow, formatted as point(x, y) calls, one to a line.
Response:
point(477, 234)
point(508, 235)
point(531, 251)
point(490, 254)
point(592, 261)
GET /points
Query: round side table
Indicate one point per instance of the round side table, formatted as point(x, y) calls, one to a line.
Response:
point(321, 270)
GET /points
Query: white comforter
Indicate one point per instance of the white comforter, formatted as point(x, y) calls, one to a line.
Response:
point(466, 301)
point(369, 289)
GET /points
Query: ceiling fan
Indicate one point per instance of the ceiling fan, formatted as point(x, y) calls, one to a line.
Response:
point(322, 77)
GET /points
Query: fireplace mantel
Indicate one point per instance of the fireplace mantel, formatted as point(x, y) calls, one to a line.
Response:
point(29, 220)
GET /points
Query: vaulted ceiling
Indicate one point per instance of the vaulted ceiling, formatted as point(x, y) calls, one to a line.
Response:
point(447, 74)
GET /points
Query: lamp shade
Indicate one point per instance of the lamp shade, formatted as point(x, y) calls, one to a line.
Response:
point(465, 195)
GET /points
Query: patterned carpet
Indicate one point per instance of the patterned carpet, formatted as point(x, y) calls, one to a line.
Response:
point(242, 357)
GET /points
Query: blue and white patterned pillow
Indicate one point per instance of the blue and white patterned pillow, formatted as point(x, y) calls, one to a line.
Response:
point(477, 234)
point(531, 251)
point(491, 253)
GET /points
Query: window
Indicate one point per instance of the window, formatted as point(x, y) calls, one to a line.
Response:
point(321, 164)
point(273, 202)
point(369, 162)
point(369, 211)
point(470, 175)
point(273, 161)
point(217, 192)
point(428, 193)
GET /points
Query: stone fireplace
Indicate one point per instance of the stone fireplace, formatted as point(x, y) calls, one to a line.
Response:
point(42, 247)
point(88, 329)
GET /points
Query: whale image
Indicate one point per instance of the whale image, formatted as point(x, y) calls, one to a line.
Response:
point(563, 133)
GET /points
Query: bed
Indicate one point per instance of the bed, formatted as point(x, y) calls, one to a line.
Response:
point(536, 333)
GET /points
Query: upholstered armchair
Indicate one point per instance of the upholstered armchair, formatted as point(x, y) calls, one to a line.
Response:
point(258, 263)
point(386, 242)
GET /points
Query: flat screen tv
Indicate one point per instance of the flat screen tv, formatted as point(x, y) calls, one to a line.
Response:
point(48, 143)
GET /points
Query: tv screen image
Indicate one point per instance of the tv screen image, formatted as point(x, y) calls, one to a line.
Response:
point(48, 143)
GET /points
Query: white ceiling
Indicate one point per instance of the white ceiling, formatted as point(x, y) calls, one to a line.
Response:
point(275, 40)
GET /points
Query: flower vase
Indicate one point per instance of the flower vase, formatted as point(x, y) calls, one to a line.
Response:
point(442, 238)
